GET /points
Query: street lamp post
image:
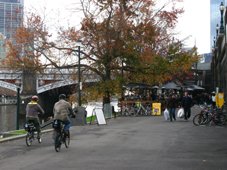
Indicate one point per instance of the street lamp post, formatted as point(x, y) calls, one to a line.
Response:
point(222, 7)
point(122, 90)
point(79, 79)
point(217, 29)
point(18, 108)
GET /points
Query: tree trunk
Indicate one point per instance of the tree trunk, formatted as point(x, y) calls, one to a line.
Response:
point(106, 98)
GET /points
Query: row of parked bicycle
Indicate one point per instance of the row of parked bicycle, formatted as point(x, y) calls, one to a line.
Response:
point(210, 116)
point(136, 110)
point(207, 116)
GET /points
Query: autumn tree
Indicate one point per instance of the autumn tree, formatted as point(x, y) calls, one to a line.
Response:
point(135, 37)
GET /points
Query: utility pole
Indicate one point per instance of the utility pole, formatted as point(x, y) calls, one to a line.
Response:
point(79, 79)
point(18, 108)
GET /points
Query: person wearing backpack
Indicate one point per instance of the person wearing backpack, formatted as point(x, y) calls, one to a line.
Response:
point(62, 111)
point(33, 109)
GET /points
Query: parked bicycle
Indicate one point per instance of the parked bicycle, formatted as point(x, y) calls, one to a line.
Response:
point(209, 115)
point(31, 133)
point(128, 110)
point(61, 137)
point(136, 109)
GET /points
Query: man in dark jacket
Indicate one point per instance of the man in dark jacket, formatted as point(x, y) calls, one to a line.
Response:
point(171, 105)
point(186, 104)
point(33, 109)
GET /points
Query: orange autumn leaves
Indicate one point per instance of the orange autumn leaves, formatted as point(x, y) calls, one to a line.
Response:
point(117, 35)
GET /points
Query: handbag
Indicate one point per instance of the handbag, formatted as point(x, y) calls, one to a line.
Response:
point(166, 114)
point(180, 113)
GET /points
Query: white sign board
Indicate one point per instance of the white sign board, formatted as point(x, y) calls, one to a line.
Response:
point(100, 116)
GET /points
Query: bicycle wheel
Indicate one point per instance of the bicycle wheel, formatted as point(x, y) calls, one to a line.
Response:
point(67, 140)
point(219, 120)
point(57, 142)
point(199, 119)
point(29, 139)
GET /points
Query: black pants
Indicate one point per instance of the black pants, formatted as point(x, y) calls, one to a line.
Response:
point(36, 123)
point(187, 113)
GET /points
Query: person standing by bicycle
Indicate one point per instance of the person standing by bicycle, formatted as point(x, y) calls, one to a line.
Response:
point(62, 110)
point(33, 109)
point(186, 103)
point(213, 100)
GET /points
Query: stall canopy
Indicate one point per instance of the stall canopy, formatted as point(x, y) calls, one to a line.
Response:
point(196, 87)
point(155, 87)
point(135, 91)
point(137, 86)
point(171, 85)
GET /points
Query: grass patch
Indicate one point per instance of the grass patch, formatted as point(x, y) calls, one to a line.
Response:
point(91, 119)
point(17, 132)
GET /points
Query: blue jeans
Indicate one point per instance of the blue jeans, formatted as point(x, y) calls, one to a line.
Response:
point(172, 114)
point(67, 125)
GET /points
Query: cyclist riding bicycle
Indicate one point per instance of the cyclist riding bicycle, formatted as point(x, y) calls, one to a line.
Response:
point(33, 109)
point(62, 110)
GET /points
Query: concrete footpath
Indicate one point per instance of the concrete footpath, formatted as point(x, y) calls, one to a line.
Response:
point(125, 143)
point(47, 128)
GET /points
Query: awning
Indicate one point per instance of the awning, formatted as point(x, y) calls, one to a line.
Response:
point(137, 86)
point(196, 87)
point(171, 85)
point(155, 87)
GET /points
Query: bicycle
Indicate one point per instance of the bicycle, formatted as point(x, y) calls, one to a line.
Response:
point(128, 110)
point(31, 133)
point(60, 135)
point(201, 118)
point(209, 115)
point(217, 117)
point(143, 111)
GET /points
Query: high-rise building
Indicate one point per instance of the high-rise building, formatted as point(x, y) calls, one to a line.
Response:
point(11, 16)
point(215, 17)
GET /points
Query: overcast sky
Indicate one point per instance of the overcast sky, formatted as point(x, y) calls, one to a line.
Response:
point(193, 26)
point(196, 22)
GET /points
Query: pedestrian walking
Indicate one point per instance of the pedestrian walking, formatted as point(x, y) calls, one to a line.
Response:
point(186, 103)
point(213, 99)
point(171, 105)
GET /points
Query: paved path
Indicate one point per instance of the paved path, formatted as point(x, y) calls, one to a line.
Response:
point(125, 143)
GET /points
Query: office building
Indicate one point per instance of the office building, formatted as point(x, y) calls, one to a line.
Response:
point(219, 59)
point(11, 16)
point(214, 19)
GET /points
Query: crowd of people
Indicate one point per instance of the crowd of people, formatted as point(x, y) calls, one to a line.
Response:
point(174, 101)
